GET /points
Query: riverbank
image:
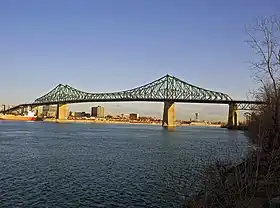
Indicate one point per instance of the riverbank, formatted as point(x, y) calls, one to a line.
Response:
point(101, 121)
point(252, 183)
point(239, 127)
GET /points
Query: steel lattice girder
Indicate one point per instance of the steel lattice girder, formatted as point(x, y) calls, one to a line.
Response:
point(11, 108)
point(165, 88)
point(248, 106)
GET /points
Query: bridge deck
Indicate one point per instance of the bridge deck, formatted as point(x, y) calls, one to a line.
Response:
point(139, 100)
point(167, 88)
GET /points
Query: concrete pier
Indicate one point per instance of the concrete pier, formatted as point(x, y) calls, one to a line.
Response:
point(232, 116)
point(169, 115)
point(62, 111)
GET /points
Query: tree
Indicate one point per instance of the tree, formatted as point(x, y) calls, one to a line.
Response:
point(264, 39)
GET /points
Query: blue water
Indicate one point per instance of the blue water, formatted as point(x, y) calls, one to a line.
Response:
point(95, 165)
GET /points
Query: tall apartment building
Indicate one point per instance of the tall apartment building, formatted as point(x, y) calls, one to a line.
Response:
point(97, 112)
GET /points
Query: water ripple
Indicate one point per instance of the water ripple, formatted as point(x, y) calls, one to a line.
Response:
point(52, 165)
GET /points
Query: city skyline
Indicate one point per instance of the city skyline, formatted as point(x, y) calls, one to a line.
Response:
point(109, 46)
point(184, 111)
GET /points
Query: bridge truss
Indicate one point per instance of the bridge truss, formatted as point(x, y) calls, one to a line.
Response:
point(248, 106)
point(167, 88)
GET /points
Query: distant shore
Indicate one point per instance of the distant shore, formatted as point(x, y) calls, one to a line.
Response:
point(96, 121)
point(122, 122)
point(105, 121)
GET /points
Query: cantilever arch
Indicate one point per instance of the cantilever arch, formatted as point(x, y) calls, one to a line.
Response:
point(169, 115)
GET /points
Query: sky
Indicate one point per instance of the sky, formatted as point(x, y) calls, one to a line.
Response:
point(109, 45)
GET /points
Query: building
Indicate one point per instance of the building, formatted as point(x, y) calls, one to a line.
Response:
point(80, 114)
point(38, 110)
point(133, 116)
point(196, 116)
point(49, 111)
point(71, 114)
point(97, 112)
point(100, 112)
point(93, 112)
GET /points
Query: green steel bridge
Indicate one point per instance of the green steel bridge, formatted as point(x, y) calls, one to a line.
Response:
point(167, 89)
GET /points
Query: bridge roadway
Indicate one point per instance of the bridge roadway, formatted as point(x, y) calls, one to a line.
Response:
point(167, 89)
point(142, 100)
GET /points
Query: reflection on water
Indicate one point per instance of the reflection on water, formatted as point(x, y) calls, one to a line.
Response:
point(94, 165)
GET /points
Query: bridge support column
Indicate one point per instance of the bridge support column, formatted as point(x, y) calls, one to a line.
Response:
point(21, 110)
point(28, 108)
point(36, 110)
point(232, 116)
point(169, 115)
point(62, 111)
point(4, 109)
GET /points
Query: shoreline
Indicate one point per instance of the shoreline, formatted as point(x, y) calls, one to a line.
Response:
point(95, 121)
point(89, 121)
point(122, 122)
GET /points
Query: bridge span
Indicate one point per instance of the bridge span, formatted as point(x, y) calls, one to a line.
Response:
point(167, 89)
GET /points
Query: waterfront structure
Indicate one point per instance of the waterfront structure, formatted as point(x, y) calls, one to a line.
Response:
point(71, 114)
point(167, 89)
point(52, 111)
point(125, 116)
point(38, 110)
point(80, 114)
point(196, 116)
point(49, 111)
point(133, 116)
point(97, 112)
point(93, 112)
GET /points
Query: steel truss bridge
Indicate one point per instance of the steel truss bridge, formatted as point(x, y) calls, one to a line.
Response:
point(167, 89)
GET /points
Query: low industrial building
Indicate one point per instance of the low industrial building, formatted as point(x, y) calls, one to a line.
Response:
point(80, 114)
point(133, 116)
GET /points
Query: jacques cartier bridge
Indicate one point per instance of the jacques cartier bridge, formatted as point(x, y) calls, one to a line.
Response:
point(167, 89)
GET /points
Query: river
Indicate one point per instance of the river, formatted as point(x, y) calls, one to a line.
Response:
point(97, 165)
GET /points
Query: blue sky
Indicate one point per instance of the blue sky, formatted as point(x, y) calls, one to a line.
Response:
point(109, 45)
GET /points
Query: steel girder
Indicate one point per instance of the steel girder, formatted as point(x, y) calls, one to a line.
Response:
point(248, 106)
point(165, 88)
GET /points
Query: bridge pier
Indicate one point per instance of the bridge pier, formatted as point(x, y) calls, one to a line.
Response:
point(28, 108)
point(4, 109)
point(35, 109)
point(21, 110)
point(62, 111)
point(232, 116)
point(169, 115)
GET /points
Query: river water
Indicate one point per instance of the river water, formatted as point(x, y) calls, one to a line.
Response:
point(95, 165)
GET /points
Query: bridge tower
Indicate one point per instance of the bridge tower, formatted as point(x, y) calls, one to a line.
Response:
point(169, 115)
point(62, 111)
point(232, 116)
